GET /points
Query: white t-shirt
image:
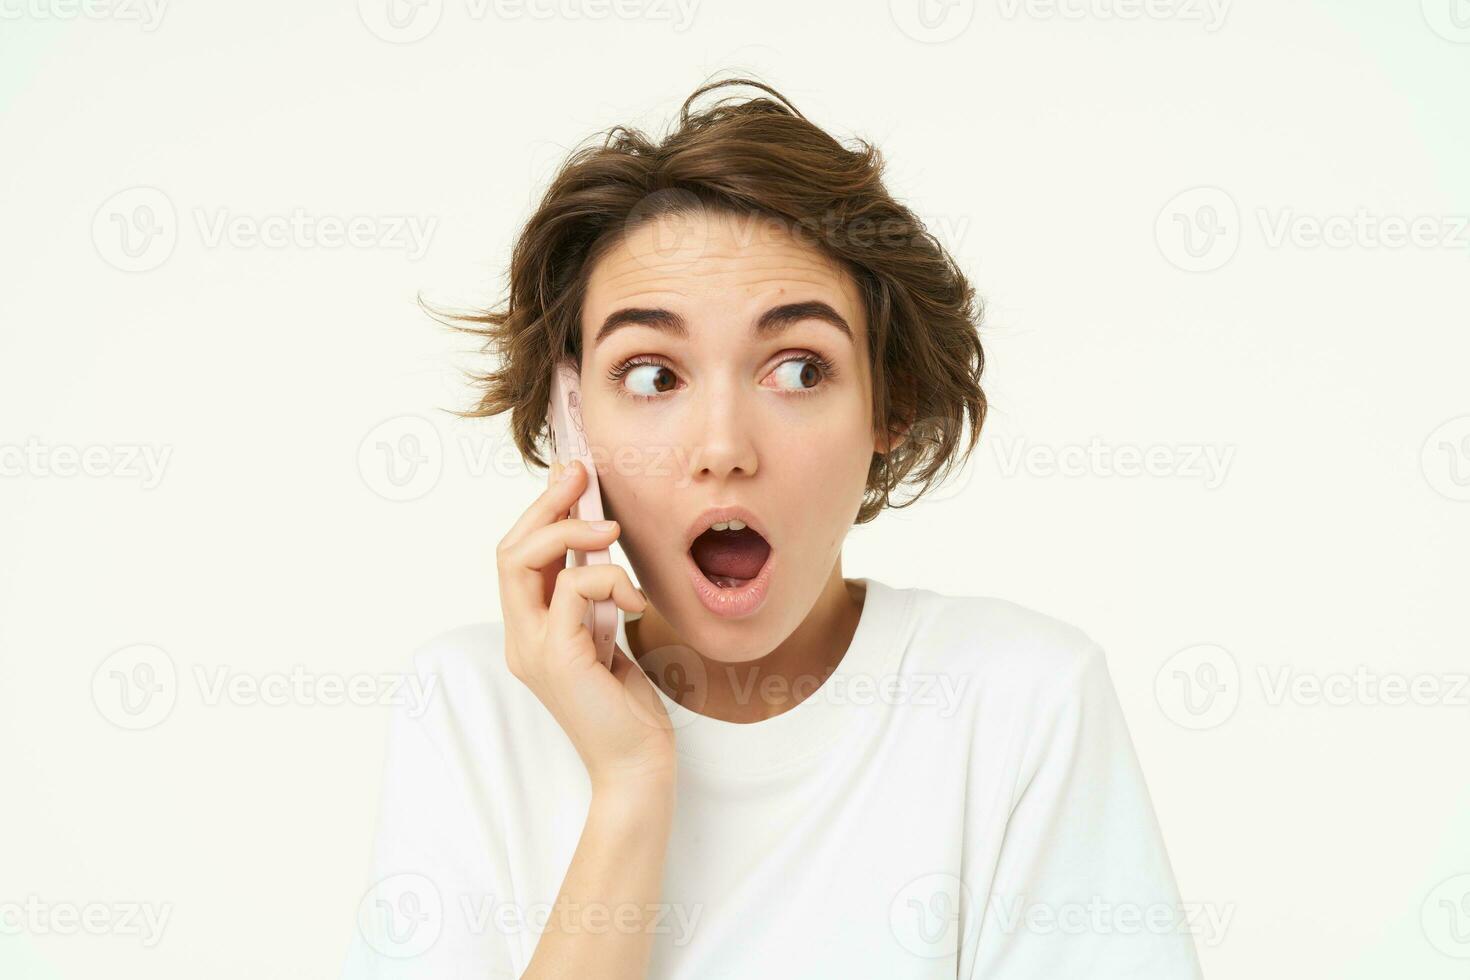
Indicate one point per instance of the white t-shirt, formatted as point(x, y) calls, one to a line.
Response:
point(960, 798)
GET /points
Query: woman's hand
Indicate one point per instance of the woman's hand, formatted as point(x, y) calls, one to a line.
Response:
point(614, 717)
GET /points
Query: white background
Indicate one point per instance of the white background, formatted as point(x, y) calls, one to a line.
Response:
point(1047, 147)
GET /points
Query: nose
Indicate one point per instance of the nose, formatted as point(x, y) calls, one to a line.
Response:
point(723, 435)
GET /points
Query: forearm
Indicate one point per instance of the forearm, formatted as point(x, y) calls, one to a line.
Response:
point(602, 922)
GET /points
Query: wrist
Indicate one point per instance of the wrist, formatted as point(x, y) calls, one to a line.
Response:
point(636, 798)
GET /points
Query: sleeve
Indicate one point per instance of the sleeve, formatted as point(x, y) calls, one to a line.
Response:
point(428, 906)
point(1082, 885)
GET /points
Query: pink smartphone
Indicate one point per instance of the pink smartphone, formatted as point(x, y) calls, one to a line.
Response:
point(569, 442)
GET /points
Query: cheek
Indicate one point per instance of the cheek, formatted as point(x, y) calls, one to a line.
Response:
point(634, 471)
point(822, 483)
point(826, 462)
point(639, 451)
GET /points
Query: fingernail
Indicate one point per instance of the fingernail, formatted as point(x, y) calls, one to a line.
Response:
point(603, 525)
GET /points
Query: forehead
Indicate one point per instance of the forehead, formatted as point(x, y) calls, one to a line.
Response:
point(729, 264)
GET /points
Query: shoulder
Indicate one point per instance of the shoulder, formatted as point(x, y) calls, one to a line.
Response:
point(471, 651)
point(474, 688)
point(479, 719)
point(1012, 650)
point(1028, 687)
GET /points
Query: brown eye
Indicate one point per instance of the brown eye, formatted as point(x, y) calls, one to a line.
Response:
point(798, 373)
point(658, 376)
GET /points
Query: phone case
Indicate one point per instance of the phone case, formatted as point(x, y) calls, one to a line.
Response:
point(569, 442)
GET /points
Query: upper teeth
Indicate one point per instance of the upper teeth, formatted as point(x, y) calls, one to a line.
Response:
point(728, 526)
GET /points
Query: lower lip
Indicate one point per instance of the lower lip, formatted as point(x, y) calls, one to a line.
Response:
point(736, 602)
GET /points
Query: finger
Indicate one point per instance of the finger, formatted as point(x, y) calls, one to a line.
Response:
point(523, 588)
point(575, 587)
point(549, 544)
point(544, 553)
point(556, 499)
point(550, 570)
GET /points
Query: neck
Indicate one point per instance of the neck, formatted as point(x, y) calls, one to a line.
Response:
point(769, 685)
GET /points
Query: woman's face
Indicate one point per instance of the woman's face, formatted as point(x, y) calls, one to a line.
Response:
point(698, 393)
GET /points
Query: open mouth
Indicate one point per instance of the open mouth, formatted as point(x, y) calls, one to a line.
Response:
point(730, 554)
point(730, 561)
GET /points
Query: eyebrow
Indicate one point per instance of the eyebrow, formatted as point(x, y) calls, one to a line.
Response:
point(773, 321)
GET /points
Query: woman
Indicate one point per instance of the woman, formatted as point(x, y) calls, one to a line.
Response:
point(796, 774)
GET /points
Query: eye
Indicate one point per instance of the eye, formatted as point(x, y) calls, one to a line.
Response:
point(802, 373)
point(644, 379)
point(805, 375)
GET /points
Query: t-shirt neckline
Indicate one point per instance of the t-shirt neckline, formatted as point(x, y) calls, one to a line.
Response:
point(846, 699)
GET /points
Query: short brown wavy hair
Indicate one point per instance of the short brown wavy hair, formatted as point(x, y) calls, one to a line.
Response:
point(753, 156)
